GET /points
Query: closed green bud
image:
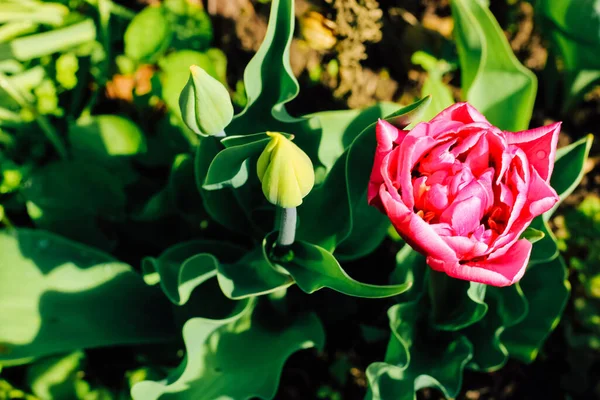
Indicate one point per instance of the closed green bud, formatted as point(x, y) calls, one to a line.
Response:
point(205, 104)
point(285, 171)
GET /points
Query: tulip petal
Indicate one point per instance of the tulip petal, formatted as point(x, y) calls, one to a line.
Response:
point(463, 112)
point(539, 145)
point(500, 271)
point(417, 233)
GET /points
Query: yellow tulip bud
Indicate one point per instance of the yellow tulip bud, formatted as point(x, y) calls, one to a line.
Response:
point(285, 171)
point(205, 103)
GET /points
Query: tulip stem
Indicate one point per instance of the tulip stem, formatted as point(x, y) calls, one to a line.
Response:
point(287, 226)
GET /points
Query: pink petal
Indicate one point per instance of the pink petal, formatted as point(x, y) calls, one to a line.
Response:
point(478, 159)
point(500, 271)
point(464, 216)
point(411, 150)
point(417, 233)
point(463, 112)
point(539, 145)
point(386, 135)
point(465, 247)
point(437, 198)
point(540, 196)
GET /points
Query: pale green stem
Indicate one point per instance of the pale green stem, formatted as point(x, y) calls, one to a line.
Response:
point(287, 226)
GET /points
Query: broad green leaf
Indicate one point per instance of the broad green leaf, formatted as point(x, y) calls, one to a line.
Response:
point(569, 169)
point(493, 80)
point(183, 267)
point(507, 307)
point(252, 275)
point(268, 78)
point(106, 136)
point(544, 249)
point(314, 268)
point(222, 205)
point(434, 86)
point(418, 357)
point(573, 29)
point(410, 267)
point(466, 308)
point(230, 167)
point(547, 290)
point(148, 35)
point(71, 197)
point(240, 358)
point(178, 196)
point(57, 296)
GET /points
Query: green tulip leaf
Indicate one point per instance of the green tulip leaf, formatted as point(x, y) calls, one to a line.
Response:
point(572, 28)
point(493, 80)
point(507, 306)
point(224, 206)
point(545, 249)
point(71, 197)
point(466, 308)
point(314, 268)
point(239, 358)
point(547, 290)
point(58, 296)
point(183, 267)
point(434, 86)
point(418, 357)
point(268, 78)
point(569, 169)
point(252, 275)
point(230, 167)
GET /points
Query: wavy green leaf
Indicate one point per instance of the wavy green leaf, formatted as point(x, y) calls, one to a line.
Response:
point(569, 169)
point(573, 30)
point(183, 267)
point(507, 306)
point(314, 268)
point(220, 363)
point(418, 357)
point(547, 290)
point(253, 275)
point(57, 296)
point(222, 205)
point(230, 167)
point(466, 308)
point(493, 80)
point(269, 66)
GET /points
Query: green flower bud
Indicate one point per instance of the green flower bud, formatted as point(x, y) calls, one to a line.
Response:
point(285, 171)
point(205, 104)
